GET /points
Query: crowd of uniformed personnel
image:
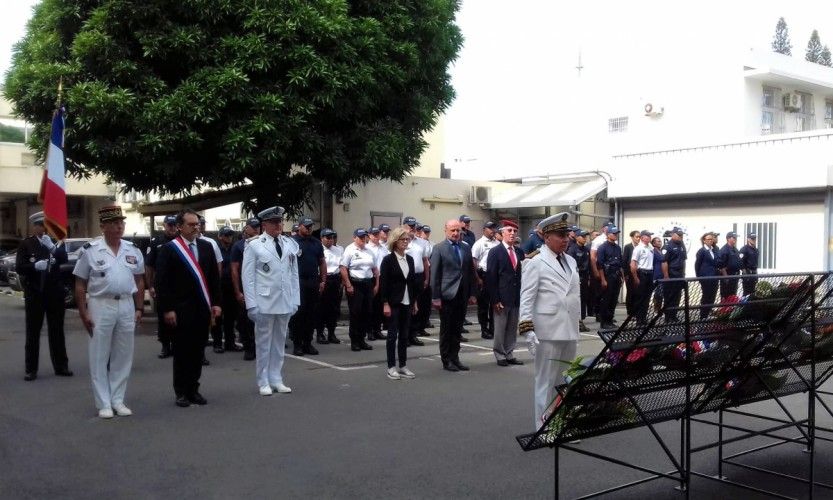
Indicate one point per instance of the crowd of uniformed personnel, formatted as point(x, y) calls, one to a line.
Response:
point(271, 288)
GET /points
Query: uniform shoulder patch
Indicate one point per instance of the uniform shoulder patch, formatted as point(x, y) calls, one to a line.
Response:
point(129, 243)
point(533, 253)
point(88, 244)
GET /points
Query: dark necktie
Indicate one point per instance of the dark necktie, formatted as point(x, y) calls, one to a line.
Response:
point(456, 247)
point(278, 247)
point(558, 257)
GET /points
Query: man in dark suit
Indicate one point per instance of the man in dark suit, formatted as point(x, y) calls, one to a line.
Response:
point(503, 280)
point(188, 291)
point(452, 279)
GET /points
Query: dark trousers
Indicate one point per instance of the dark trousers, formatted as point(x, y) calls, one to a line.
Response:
point(164, 333)
point(610, 297)
point(671, 295)
point(378, 321)
point(224, 325)
point(417, 321)
point(642, 295)
point(595, 296)
point(303, 321)
point(484, 308)
point(584, 293)
point(246, 329)
point(51, 305)
point(423, 315)
point(630, 294)
point(360, 304)
point(728, 287)
point(452, 316)
point(709, 293)
point(188, 343)
point(398, 328)
point(749, 284)
point(330, 305)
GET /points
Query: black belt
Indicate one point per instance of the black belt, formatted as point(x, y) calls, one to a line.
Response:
point(117, 296)
point(361, 280)
point(334, 277)
point(650, 271)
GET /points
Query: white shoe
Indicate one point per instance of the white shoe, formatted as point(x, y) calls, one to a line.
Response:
point(122, 410)
point(105, 413)
point(282, 389)
point(265, 391)
point(392, 373)
point(406, 373)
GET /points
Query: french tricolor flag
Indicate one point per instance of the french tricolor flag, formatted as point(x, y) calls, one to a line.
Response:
point(53, 194)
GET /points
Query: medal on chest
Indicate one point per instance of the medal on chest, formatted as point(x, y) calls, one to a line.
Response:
point(130, 259)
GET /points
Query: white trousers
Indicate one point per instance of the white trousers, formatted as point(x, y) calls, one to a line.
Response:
point(552, 357)
point(114, 324)
point(270, 340)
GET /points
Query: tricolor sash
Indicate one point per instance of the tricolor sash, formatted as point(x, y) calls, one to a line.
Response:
point(191, 263)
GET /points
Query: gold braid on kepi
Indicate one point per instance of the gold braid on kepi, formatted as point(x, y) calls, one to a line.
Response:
point(555, 224)
point(525, 326)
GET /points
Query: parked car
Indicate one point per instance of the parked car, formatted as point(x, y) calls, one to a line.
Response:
point(74, 248)
point(6, 265)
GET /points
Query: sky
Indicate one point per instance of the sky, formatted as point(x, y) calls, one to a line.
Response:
point(521, 106)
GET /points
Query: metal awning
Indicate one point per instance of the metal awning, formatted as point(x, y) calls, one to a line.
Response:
point(556, 191)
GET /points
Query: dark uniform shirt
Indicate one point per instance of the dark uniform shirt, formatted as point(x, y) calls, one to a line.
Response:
point(675, 257)
point(469, 237)
point(729, 259)
point(657, 264)
point(225, 276)
point(582, 255)
point(153, 248)
point(609, 258)
point(533, 243)
point(749, 259)
point(32, 250)
point(312, 253)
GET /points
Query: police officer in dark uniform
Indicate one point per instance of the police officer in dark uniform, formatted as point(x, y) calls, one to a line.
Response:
point(728, 263)
point(467, 234)
point(749, 262)
point(581, 252)
point(224, 327)
point(532, 243)
point(673, 266)
point(245, 325)
point(312, 275)
point(609, 262)
point(38, 263)
point(163, 331)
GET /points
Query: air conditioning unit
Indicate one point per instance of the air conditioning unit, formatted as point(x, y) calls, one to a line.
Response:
point(480, 195)
point(792, 102)
point(652, 109)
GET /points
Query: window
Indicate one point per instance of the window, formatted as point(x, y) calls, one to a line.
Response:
point(619, 124)
point(772, 115)
point(767, 237)
point(766, 123)
point(769, 97)
point(828, 113)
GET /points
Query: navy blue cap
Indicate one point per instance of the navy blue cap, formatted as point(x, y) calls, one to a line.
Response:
point(465, 218)
point(306, 221)
point(294, 227)
point(582, 232)
point(253, 222)
point(612, 230)
point(170, 220)
point(384, 227)
point(327, 232)
point(645, 232)
point(374, 230)
point(490, 225)
point(574, 228)
point(426, 229)
point(731, 234)
point(752, 236)
point(677, 230)
point(419, 226)
point(226, 231)
point(409, 221)
point(360, 232)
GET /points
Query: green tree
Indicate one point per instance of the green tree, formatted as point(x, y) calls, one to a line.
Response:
point(824, 57)
point(781, 40)
point(276, 95)
point(814, 48)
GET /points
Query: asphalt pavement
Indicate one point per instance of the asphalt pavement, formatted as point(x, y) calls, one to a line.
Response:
point(346, 431)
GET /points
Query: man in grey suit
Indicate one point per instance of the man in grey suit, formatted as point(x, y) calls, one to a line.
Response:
point(549, 310)
point(452, 279)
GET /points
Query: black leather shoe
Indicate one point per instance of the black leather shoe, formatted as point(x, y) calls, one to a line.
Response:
point(248, 356)
point(308, 349)
point(205, 361)
point(355, 348)
point(607, 326)
point(30, 376)
point(464, 339)
point(66, 372)
point(430, 325)
point(298, 351)
point(450, 367)
point(321, 339)
point(514, 361)
point(165, 353)
point(183, 402)
point(197, 399)
point(219, 350)
point(460, 366)
point(423, 333)
point(487, 336)
point(466, 322)
point(502, 362)
point(380, 336)
point(464, 331)
point(365, 346)
point(234, 348)
point(415, 341)
point(333, 339)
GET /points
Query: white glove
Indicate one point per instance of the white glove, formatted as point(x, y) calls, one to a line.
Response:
point(41, 265)
point(532, 341)
point(46, 241)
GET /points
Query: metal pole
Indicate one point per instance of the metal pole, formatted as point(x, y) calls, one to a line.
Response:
point(720, 445)
point(556, 473)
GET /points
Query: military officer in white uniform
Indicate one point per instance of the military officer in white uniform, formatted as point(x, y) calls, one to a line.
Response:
point(111, 272)
point(272, 295)
point(550, 309)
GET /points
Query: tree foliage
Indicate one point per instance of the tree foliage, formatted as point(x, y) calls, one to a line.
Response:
point(814, 48)
point(169, 95)
point(781, 40)
point(825, 58)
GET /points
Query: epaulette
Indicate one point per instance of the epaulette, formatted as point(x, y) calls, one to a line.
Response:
point(129, 242)
point(533, 253)
point(253, 238)
point(88, 244)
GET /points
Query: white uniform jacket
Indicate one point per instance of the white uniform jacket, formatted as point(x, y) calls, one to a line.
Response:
point(550, 296)
point(270, 283)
